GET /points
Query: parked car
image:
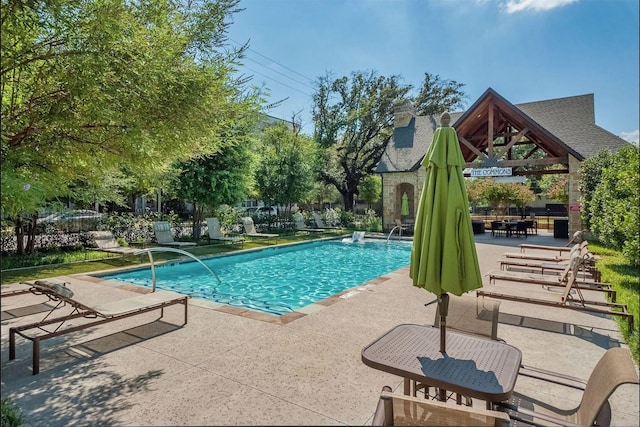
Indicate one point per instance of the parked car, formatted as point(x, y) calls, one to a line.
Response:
point(73, 221)
point(75, 215)
point(250, 211)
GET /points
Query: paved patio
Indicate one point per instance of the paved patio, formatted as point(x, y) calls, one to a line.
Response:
point(228, 367)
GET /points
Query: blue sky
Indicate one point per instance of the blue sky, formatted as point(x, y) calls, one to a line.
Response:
point(526, 50)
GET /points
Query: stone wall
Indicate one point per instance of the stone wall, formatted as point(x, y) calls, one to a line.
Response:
point(393, 185)
point(575, 221)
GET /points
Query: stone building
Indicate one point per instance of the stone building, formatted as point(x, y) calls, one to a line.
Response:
point(553, 132)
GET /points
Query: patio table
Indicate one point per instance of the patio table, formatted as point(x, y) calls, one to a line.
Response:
point(472, 366)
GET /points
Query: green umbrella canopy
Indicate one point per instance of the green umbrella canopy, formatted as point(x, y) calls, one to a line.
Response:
point(443, 256)
point(404, 210)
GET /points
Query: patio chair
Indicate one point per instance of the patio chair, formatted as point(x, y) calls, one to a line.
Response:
point(215, 233)
point(400, 410)
point(498, 227)
point(470, 316)
point(521, 229)
point(103, 313)
point(320, 224)
point(565, 300)
point(106, 242)
point(401, 225)
point(164, 237)
point(532, 226)
point(613, 369)
point(250, 229)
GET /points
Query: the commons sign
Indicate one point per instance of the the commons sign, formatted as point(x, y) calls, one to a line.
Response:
point(491, 172)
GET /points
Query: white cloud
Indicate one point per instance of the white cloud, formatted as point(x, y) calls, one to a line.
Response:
point(633, 136)
point(514, 6)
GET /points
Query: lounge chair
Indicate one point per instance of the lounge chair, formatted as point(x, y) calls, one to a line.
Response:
point(213, 228)
point(394, 409)
point(106, 242)
point(563, 253)
point(562, 250)
point(18, 289)
point(301, 226)
point(513, 292)
point(588, 267)
point(250, 229)
point(103, 313)
point(164, 237)
point(572, 267)
point(614, 369)
point(320, 224)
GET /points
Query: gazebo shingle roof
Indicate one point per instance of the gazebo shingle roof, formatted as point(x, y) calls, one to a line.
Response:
point(571, 120)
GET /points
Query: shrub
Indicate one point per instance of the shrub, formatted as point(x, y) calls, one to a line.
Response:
point(371, 221)
point(11, 415)
point(611, 200)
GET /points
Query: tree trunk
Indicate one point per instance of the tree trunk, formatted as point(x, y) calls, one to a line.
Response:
point(19, 236)
point(347, 198)
point(31, 234)
point(197, 221)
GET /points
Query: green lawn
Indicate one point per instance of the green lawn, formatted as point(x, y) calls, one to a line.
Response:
point(625, 281)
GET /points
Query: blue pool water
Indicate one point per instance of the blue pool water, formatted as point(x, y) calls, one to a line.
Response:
point(277, 280)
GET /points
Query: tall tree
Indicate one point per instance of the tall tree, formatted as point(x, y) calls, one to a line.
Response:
point(437, 95)
point(353, 124)
point(285, 172)
point(220, 178)
point(90, 86)
point(371, 189)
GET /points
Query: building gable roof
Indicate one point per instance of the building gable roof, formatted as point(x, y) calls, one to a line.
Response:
point(558, 126)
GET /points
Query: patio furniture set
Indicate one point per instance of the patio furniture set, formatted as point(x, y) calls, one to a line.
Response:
point(478, 365)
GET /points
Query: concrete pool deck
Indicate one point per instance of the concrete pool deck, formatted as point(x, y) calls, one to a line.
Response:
point(230, 367)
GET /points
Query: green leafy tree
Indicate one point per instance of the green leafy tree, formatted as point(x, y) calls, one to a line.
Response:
point(555, 186)
point(91, 86)
point(217, 179)
point(371, 189)
point(521, 195)
point(476, 191)
point(502, 195)
point(591, 171)
point(353, 124)
point(613, 210)
point(284, 175)
point(437, 95)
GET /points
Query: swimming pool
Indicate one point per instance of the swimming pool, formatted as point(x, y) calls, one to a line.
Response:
point(277, 280)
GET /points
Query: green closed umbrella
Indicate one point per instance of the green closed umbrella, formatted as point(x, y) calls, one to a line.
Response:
point(443, 256)
point(404, 209)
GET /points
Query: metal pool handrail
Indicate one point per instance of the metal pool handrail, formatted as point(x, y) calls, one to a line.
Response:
point(179, 251)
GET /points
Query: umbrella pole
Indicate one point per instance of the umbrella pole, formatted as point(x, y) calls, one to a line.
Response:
point(443, 307)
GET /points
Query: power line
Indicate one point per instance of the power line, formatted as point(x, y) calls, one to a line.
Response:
point(274, 61)
point(277, 81)
point(282, 74)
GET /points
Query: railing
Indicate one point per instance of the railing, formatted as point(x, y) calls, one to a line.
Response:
point(179, 251)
